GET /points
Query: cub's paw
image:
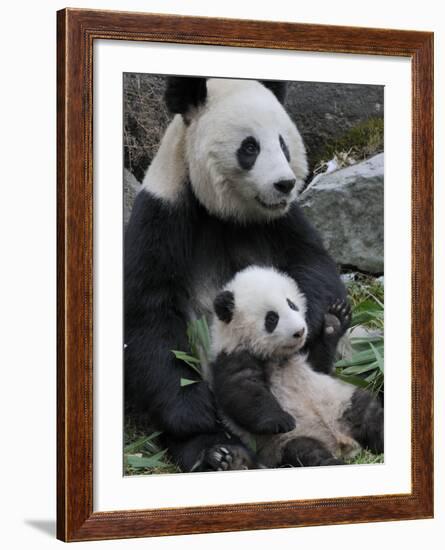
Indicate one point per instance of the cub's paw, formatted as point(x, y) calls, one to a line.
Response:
point(225, 457)
point(278, 424)
point(337, 319)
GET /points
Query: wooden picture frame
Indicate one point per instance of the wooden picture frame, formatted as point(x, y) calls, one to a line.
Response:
point(76, 32)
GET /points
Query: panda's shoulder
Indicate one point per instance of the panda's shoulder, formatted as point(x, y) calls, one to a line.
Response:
point(149, 208)
point(154, 222)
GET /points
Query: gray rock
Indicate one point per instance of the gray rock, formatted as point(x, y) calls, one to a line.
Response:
point(325, 111)
point(131, 187)
point(346, 207)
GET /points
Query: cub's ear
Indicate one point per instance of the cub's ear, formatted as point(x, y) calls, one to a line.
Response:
point(277, 87)
point(184, 93)
point(224, 305)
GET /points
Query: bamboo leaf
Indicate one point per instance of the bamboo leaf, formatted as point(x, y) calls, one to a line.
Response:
point(359, 358)
point(367, 340)
point(359, 369)
point(187, 382)
point(145, 461)
point(378, 356)
point(372, 377)
point(185, 357)
point(189, 360)
point(251, 442)
point(139, 443)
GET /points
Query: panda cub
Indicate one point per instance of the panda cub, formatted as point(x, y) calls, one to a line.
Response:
point(265, 386)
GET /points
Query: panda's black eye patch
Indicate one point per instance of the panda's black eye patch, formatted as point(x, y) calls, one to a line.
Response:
point(271, 321)
point(284, 148)
point(292, 305)
point(248, 152)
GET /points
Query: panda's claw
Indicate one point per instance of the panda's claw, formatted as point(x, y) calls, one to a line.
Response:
point(338, 318)
point(228, 457)
point(217, 456)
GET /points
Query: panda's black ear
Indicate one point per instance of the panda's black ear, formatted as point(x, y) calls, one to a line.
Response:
point(278, 87)
point(184, 92)
point(224, 305)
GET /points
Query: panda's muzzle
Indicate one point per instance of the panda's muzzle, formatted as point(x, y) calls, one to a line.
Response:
point(285, 186)
point(272, 206)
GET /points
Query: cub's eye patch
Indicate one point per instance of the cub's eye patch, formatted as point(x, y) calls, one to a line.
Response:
point(271, 320)
point(284, 148)
point(248, 152)
point(250, 145)
point(292, 305)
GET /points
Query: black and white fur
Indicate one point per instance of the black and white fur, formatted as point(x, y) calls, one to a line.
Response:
point(219, 196)
point(265, 385)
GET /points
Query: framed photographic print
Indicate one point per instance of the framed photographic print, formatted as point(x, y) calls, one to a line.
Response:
point(244, 275)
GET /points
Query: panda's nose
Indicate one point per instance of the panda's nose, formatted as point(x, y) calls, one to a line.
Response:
point(285, 186)
point(299, 333)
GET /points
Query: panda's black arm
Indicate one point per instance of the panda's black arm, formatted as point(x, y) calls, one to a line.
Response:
point(307, 261)
point(242, 392)
point(157, 265)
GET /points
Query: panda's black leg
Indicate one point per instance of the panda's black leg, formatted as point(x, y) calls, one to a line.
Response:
point(365, 418)
point(322, 350)
point(307, 451)
point(210, 452)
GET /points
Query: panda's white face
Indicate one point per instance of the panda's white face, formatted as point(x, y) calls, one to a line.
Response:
point(245, 157)
point(261, 310)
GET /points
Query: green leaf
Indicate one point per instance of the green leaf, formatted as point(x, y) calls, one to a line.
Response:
point(185, 356)
point(367, 340)
point(140, 443)
point(378, 302)
point(187, 382)
point(199, 337)
point(192, 362)
point(359, 358)
point(145, 461)
point(378, 356)
point(359, 369)
point(372, 377)
point(251, 442)
point(203, 334)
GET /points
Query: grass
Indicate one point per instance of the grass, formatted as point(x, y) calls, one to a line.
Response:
point(143, 453)
point(363, 366)
point(358, 143)
point(365, 457)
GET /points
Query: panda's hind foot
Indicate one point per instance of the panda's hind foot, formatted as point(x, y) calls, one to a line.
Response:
point(338, 319)
point(226, 457)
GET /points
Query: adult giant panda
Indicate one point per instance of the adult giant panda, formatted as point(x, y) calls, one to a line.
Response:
point(219, 196)
point(265, 386)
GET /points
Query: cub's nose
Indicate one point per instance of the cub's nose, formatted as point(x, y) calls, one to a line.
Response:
point(299, 333)
point(285, 186)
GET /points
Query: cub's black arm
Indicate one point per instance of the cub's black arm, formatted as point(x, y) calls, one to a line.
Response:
point(240, 386)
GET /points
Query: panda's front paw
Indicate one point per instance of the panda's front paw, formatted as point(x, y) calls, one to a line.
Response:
point(338, 319)
point(277, 424)
point(226, 457)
